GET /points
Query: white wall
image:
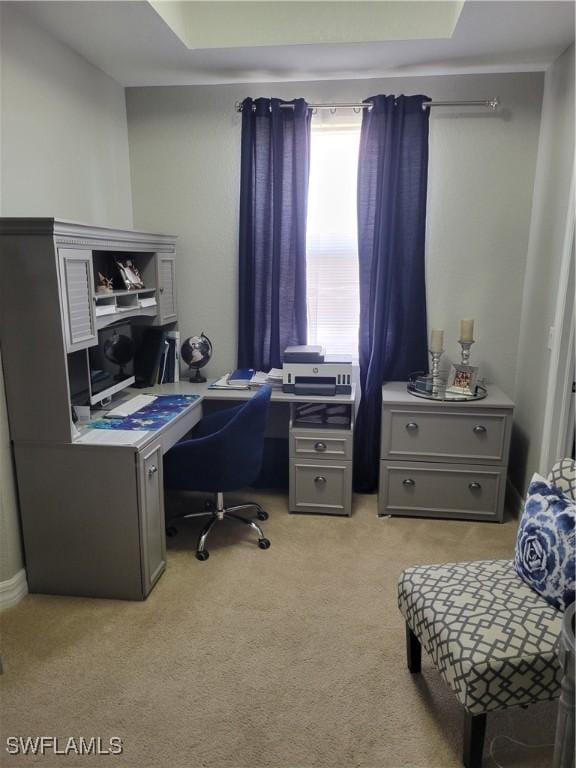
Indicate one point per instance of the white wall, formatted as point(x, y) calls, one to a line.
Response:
point(554, 175)
point(185, 160)
point(64, 153)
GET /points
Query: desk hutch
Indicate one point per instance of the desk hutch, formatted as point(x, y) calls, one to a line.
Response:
point(92, 516)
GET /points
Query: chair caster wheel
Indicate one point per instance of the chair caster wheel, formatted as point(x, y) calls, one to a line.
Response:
point(204, 555)
point(264, 543)
point(171, 531)
point(261, 515)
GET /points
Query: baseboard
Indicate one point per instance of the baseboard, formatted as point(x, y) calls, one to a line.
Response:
point(13, 590)
point(514, 501)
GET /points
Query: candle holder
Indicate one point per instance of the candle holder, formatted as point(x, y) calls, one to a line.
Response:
point(466, 346)
point(435, 371)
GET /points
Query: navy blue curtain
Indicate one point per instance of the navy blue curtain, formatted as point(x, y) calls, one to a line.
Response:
point(392, 180)
point(275, 165)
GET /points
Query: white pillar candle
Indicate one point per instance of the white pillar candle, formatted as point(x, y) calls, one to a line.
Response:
point(436, 341)
point(466, 330)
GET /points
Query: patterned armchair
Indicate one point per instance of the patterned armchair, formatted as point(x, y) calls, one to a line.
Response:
point(492, 638)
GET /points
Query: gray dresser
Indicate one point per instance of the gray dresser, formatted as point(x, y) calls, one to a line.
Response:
point(444, 459)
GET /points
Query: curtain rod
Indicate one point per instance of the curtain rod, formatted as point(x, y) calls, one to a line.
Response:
point(491, 104)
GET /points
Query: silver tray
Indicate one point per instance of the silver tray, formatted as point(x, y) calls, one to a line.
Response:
point(444, 396)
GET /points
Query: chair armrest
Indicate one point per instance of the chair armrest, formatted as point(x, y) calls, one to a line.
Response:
point(214, 422)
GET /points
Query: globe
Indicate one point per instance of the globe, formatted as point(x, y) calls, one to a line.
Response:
point(119, 349)
point(196, 352)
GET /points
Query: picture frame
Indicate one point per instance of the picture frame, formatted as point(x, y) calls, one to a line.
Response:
point(130, 275)
point(462, 379)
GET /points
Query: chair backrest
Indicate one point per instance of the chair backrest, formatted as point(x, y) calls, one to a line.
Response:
point(225, 452)
point(243, 442)
point(563, 476)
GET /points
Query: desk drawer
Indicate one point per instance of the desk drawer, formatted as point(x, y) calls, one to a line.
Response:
point(324, 487)
point(321, 443)
point(463, 435)
point(441, 490)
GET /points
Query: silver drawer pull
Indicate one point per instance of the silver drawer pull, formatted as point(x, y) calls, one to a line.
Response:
point(412, 426)
point(479, 429)
point(319, 480)
point(320, 447)
point(152, 470)
point(474, 486)
point(408, 482)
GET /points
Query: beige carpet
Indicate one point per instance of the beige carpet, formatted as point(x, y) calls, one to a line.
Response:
point(288, 658)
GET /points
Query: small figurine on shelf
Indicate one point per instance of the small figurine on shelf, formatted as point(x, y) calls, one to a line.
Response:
point(130, 274)
point(104, 284)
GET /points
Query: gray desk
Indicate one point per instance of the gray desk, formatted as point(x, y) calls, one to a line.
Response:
point(320, 456)
point(93, 514)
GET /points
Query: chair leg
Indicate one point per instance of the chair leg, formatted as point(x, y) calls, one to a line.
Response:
point(204, 535)
point(413, 651)
point(238, 507)
point(251, 523)
point(474, 731)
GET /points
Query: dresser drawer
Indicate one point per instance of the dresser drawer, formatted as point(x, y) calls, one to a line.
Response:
point(464, 435)
point(442, 490)
point(324, 487)
point(321, 443)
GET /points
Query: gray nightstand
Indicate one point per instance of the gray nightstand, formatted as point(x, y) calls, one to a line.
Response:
point(444, 459)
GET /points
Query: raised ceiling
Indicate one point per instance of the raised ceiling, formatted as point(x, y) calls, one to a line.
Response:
point(196, 43)
point(225, 24)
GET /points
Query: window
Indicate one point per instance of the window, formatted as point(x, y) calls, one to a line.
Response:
point(332, 245)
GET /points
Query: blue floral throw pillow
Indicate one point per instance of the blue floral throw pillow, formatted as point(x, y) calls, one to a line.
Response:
point(544, 556)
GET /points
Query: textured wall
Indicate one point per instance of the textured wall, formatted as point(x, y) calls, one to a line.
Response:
point(185, 152)
point(549, 218)
point(64, 153)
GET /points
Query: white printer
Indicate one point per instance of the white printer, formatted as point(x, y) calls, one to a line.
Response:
point(308, 371)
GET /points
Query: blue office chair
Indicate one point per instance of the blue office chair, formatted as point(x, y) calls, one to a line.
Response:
point(224, 453)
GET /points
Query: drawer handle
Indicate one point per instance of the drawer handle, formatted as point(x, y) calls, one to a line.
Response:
point(319, 480)
point(320, 447)
point(408, 482)
point(411, 426)
point(474, 486)
point(161, 289)
point(152, 470)
point(479, 429)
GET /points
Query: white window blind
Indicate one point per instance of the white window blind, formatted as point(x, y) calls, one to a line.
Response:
point(332, 247)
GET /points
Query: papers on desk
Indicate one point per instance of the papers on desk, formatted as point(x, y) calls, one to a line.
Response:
point(112, 436)
point(273, 377)
point(322, 413)
point(222, 383)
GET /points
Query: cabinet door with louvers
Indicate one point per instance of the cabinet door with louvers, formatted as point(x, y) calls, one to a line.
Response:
point(166, 265)
point(77, 292)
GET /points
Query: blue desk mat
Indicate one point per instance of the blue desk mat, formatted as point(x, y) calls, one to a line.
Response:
point(152, 416)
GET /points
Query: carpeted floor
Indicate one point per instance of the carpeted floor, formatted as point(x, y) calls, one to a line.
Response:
point(289, 658)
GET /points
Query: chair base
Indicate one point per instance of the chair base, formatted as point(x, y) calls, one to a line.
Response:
point(218, 512)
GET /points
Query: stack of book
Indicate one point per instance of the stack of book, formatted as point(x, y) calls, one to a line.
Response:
point(238, 379)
